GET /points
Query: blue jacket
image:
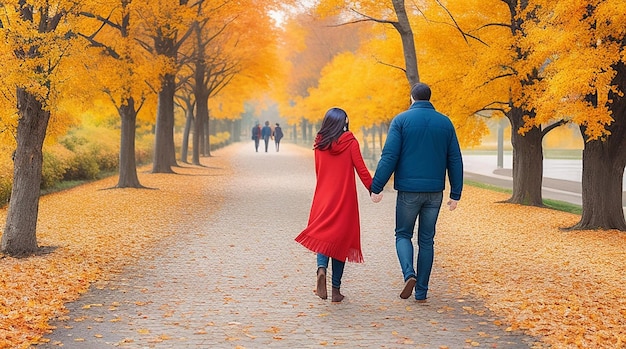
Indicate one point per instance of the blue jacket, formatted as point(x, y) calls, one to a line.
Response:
point(421, 146)
point(266, 132)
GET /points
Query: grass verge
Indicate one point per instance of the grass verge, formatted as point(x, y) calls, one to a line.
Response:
point(549, 203)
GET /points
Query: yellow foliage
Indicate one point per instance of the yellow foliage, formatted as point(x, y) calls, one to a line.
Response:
point(34, 290)
point(579, 42)
point(353, 82)
point(572, 284)
point(36, 53)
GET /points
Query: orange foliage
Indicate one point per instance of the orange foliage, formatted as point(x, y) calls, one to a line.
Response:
point(308, 45)
point(581, 39)
point(565, 286)
point(88, 245)
point(248, 46)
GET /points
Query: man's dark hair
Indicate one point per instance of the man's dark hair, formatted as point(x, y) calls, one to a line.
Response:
point(420, 92)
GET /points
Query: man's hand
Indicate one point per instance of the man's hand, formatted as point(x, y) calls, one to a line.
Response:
point(452, 204)
point(376, 197)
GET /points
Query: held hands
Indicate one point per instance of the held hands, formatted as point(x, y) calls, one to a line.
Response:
point(376, 197)
point(452, 204)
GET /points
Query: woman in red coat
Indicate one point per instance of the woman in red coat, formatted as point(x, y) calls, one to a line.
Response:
point(333, 230)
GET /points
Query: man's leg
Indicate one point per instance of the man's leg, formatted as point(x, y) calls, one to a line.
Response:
point(407, 208)
point(425, 241)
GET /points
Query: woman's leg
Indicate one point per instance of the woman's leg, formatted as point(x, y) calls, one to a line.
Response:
point(337, 272)
point(322, 265)
point(336, 279)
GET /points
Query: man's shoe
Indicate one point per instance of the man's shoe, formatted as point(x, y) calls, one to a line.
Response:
point(409, 285)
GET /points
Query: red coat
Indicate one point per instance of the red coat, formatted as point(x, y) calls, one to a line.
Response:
point(334, 228)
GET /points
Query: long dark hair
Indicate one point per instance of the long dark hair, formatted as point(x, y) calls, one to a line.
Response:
point(333, 126)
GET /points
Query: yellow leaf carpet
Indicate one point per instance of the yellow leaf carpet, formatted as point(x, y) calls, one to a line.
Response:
point(565, 286)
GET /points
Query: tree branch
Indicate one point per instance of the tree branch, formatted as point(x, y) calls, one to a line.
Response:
point(553, 126)
point(388, 65)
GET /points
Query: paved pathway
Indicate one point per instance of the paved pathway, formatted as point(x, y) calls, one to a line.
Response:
point(242, 282)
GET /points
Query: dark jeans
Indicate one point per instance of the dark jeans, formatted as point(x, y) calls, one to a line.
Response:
point(410, 206)
point(322, 262)
point(267, 141)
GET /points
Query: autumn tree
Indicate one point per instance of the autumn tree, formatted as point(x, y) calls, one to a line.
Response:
point(35, 47)
point(166, 25)
point(211, 68)
point(395, 15)
point(185, 101)
point(122, 71)
point(583, 80)
point(352, 80)
point(308, 44)
point(476, 61)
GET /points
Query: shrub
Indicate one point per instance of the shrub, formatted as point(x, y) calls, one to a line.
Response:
point(84, 153)
point(81, 166)
point(219, 140)
point(6, 180)
point(52, 170)
point(144, 148)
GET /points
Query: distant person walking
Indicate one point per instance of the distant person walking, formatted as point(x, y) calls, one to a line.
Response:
point(421, 147)
point(266, 133)
point(278, 135)
point(333, 229)
point(256, 135)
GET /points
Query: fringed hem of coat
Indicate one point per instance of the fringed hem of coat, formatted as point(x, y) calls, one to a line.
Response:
point(329, 249)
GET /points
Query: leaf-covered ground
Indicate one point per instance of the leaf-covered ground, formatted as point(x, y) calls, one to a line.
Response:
point(565, 286)
point(95, 231)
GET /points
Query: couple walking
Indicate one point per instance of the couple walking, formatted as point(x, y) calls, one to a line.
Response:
point(421, 147)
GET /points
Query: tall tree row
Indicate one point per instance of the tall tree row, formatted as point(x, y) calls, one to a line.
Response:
point(121, 70)
point(583, 80)
point(518, 59)
point(130, 50)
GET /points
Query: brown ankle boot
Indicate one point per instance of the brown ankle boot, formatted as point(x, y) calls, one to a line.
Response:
point(337, 296)
point(321, 290)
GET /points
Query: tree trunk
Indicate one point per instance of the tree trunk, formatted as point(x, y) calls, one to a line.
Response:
point(235, 134)
point(196, 141)
point(380, 137)
point(527, 162)
point(373, 141)
point(20, 233)
point(603, 168)
point(202, 111)
point(602, 179)
point(304, 135)
point(164, 150)
point(128, 165)
point(403, 26)
point(188, 123)
point(207, 131)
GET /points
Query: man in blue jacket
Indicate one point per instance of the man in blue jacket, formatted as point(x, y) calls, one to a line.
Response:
point(266, 133)
point(421, 147)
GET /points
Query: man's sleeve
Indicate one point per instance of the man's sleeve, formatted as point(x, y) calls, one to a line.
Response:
point(389, 158)
point(455, 168)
